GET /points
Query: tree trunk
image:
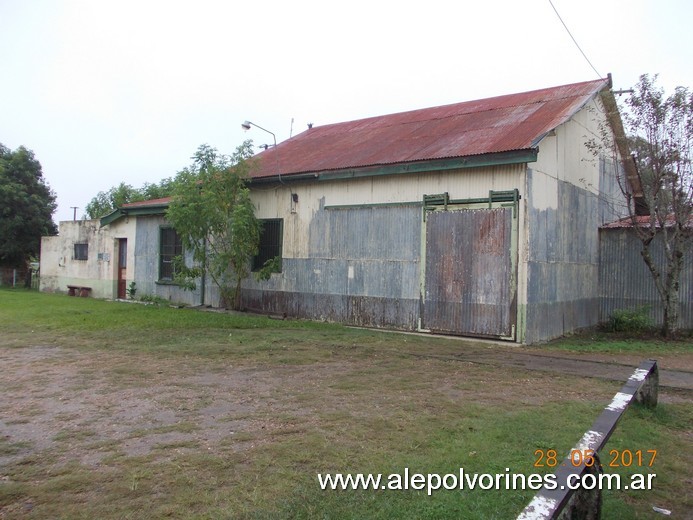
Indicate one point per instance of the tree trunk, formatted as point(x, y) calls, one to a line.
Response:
point(671, 305)
point(237, 296)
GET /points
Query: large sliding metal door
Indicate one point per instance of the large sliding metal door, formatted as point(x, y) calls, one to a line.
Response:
point(469, 279)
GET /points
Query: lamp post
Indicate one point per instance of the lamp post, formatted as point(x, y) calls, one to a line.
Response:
point(247, 124)
point(294, 196)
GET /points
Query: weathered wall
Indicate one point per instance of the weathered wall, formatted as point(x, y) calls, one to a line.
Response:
point(59, 268)
point(352, 248)
point(362, 267)
point(570, 193)
point(562, 267)
point(625, 282)
point(146, 262)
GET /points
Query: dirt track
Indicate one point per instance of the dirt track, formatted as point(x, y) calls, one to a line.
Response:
point(587, 367)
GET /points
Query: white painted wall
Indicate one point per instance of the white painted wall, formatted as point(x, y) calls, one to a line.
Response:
point(564, 156)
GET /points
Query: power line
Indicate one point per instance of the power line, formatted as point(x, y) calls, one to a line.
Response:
point(574, 41)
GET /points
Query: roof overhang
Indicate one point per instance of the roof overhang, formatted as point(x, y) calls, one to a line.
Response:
point(158, 209)
point(454, 163)
point(616, 124)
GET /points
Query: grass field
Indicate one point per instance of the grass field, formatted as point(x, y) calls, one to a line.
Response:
point(115, 410)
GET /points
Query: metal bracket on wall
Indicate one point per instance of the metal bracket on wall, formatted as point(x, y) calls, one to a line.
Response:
point(431, 202)
point(504, 196)
point(511, 197)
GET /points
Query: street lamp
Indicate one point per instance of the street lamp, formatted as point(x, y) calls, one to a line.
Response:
point(247, 124)
point(294, 196)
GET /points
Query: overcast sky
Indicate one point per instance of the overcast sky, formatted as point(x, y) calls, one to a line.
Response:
point(106, 91)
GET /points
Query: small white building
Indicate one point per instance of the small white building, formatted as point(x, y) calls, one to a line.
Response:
point(85, 255)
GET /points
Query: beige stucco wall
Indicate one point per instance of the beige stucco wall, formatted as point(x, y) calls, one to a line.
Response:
point(59, 268)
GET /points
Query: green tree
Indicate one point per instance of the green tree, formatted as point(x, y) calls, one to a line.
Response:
point(107, 201)
point(212, 212)
point(157, 191)
point(26, 207)
point(657, 182)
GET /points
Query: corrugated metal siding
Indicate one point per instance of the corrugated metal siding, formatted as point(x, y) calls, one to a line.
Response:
point(381, 245)
point(313, 197)
point(612, 205)
point(146, 266)
point(563, 264)
point(362, 268)
point(626, 282)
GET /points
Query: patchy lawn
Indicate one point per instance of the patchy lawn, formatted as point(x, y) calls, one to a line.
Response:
point(113, 410)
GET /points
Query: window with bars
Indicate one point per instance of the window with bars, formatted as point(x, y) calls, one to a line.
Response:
point(170, 246)
point(81, 252)
point(271, 238)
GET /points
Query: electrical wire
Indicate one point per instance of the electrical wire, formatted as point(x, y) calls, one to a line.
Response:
point(574, 41)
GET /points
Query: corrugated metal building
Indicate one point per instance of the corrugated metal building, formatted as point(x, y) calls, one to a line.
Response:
point(478, 218)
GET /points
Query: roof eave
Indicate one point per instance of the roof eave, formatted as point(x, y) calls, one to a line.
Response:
point(159, 209)
point(526, 155)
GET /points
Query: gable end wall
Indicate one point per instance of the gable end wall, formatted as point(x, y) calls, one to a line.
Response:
point(570, 194)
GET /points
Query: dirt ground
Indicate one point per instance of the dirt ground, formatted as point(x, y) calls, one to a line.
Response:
point(98, 405)
point(94, 406)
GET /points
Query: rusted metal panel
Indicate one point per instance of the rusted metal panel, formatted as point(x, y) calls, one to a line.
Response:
point(365, 311)
point(468, 283)
point(486, 126)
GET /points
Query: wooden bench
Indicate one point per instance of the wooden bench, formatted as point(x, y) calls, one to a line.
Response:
point(74, 290)
point(570, 504)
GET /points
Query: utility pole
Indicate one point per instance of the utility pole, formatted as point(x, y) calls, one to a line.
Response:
point(74, 212)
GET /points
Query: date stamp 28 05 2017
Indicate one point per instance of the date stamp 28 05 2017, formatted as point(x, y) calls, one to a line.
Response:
point(617, 458)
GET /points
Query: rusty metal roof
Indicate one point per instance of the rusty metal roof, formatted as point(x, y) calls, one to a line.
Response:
point(643, 221)
point(147, 203)
point(144, 207)
point(493, 125)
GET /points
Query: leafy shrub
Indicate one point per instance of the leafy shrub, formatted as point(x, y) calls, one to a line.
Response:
point(132, 290)
point(156, 300)
point(630, 320)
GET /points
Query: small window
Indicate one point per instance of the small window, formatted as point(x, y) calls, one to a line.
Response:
point(81, 252)
point(271, 238)
point(171, 246)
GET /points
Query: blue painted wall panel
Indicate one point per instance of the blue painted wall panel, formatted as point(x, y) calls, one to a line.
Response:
point(147, 265)
point(362, 268)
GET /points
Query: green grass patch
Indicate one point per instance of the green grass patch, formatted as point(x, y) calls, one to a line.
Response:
point(603, 342)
